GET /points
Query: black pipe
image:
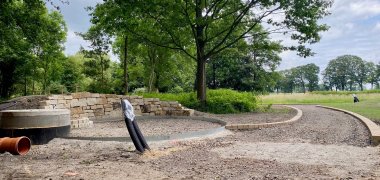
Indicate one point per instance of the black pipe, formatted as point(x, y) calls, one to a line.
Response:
point(133, 129)
point(140, 135)
point(134, 137)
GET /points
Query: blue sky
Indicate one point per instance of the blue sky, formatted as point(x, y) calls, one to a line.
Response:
point(354, 29)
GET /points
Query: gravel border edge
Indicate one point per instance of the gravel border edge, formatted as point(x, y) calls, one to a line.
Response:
point(264, 125)
point(373, 128)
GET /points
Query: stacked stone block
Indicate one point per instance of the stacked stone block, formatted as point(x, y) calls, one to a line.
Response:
point(87, 106)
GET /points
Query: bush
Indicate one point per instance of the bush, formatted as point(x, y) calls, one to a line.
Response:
point(176, 89)
point(219, 101)
point(229, 101)
point(57, 88)
point(139, 90)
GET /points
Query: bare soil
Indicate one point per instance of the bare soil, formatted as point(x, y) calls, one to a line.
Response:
point(323, 144)
point(24, 102)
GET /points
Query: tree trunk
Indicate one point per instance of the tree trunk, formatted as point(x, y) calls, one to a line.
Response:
point(201, 81)
point(201, 59)
point(25, 84)
point(126, 65)
point(213, 75)
point(303, 85)
point(153, 59)
point(361, 86)
point(102, 81)
point(157, 82)
point(7, 78)
point(33, 76)
point(45, 76)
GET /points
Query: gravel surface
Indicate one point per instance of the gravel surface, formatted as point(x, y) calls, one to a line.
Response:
point(276, 114)
point(148, 127)
point(317, 126)
point(323, 144)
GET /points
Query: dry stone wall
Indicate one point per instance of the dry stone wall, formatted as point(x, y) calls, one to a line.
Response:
point(86, 106)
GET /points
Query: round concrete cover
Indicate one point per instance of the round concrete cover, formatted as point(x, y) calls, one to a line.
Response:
point(34, 118)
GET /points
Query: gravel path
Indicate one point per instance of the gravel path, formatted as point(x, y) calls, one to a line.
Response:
point(323, 144)
point(317, 126)
point(149, 127)
point(276, 114)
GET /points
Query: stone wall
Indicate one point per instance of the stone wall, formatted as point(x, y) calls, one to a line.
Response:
point(86, 106)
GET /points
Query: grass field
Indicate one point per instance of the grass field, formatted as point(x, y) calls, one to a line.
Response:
point(369, 105)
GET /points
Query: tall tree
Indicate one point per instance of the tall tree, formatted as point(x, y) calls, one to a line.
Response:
point(311, 72)
point(287, 81)
point(378, 74)
point(49, 47)
point(30, 39)
point(362, 72)
point(373, 77)
point(245, 66)
point(345, 72)
point(98, 54)
point(210, 27)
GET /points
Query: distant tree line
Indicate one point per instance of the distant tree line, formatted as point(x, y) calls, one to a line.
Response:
point(350, 72)
point(298, 79)
point(344, 73)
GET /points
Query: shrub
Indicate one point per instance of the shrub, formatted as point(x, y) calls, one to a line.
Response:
point(139, 90)
point(176, 89)
point(57, 88)
point(230, 101)
point(219, 101)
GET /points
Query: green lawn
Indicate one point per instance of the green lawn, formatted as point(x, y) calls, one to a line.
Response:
point(369, 105)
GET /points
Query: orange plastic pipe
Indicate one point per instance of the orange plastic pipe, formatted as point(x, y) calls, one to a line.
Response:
point(15, 146)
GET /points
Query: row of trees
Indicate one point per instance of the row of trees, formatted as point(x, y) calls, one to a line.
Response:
point(162, 45)
point(350, 72)
point(31, 45)
point(202, 30)
point(32, 59)
point(347, 72)
point(300, 79)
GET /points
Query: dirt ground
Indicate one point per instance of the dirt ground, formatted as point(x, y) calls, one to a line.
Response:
point(149, 127)
point(323, 144)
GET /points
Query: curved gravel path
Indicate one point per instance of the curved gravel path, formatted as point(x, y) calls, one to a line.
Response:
point(317, 126)
point(277, 114)
point(323, 144)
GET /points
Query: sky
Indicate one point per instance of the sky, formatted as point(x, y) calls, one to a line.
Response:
point(354, 29)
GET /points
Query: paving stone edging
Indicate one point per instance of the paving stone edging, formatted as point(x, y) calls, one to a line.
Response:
point(373, 128)
point(264, 125)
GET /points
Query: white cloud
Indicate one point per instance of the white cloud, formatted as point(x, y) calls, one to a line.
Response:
point(377, 27)
point(343, 10)
point(73, 43)
point(354, 29)
point(365, 8)
point(349, 25)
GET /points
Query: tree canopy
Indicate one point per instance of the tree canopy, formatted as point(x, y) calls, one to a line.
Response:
point(31, 43)
point(346, 71)
point(201, 29)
